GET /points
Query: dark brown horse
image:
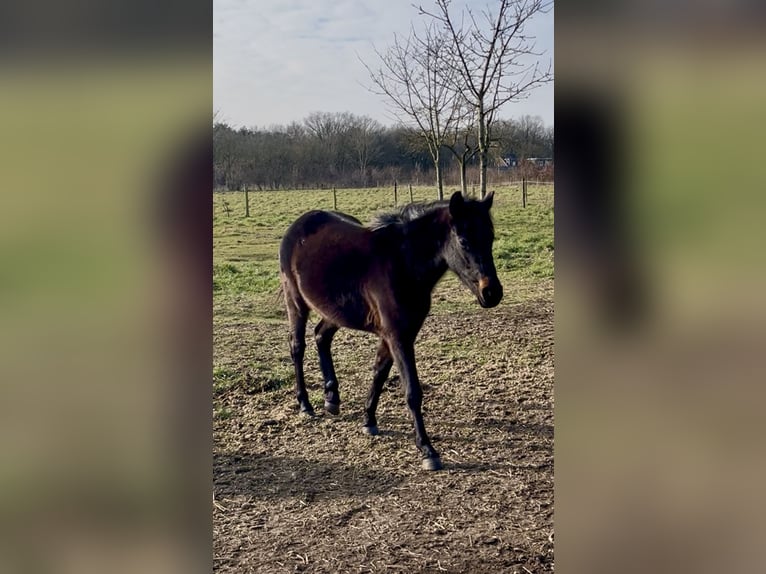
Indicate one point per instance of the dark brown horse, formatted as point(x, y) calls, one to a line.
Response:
point(379, 279)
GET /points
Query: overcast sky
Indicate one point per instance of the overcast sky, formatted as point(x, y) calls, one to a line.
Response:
point(276, 61)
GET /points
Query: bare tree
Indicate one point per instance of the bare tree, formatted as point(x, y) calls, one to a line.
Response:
point(415, 76)
point(331, 130)
point(363, 138)
point(228, 156)
point(494, 58)
point(531, 132)
point(462, 142)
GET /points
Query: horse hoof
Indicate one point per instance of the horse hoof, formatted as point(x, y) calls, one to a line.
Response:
point(332, 408)
point(372, 431)
point(434, 463)
point(307, 413)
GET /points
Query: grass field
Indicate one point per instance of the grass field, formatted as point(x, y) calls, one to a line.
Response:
point(317, 495)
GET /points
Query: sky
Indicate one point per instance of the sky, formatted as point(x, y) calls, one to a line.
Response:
point(276, 61)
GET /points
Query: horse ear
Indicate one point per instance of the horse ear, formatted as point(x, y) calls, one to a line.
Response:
point(456, 203)
point(488, 200)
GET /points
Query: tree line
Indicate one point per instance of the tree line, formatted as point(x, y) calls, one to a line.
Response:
point(348, 150)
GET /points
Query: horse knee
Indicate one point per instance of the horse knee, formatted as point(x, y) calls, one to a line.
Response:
point(323, 338)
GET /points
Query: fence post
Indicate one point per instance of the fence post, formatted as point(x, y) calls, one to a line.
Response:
point(524, 192)
point(411, 200)
point(334, 199)
point(396, 202)
point(247, 202)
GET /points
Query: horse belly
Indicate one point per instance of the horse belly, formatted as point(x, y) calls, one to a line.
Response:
point(345, 307)
point(332, 281)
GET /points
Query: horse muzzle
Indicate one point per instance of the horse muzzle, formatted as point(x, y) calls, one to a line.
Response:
point(490, 292)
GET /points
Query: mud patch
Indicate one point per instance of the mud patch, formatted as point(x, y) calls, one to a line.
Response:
point(294, 494)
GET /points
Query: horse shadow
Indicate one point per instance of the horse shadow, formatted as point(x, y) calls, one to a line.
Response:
point(530, 430)
point(266, 476)
point(530, 436)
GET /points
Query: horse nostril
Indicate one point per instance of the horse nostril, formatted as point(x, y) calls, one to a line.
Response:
point(490, 291)
point(492, 294)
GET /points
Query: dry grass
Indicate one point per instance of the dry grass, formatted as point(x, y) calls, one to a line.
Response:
point(318, 495)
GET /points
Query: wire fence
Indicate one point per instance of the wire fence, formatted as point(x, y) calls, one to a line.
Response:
point(522, 193)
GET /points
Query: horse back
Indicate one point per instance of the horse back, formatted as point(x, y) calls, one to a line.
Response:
point(331, 259)
point(307, 225)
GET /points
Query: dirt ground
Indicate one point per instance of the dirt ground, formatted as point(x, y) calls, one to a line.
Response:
point(294, 494)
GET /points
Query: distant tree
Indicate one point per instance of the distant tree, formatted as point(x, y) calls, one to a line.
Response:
point(419, 85)
point(531, 136)
point(490, 58)
point(228, 156)
point(330, 130)
point(548, 140)
point(522, 137)
point(364, 139)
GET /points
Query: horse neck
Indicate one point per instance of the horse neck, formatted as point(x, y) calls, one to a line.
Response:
point(423, 246)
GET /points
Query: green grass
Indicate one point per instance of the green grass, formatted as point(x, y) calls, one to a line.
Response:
point(254, 378)
point(244, 277)
point(223, 378)
point(524, 242)
point(249, 312)
point(245, 249)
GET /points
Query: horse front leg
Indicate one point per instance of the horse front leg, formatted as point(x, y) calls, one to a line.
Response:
point(404, 356)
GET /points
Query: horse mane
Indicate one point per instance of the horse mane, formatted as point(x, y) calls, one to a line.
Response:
point(406, 213)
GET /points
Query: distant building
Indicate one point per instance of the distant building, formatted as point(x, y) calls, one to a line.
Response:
point(507, 162)
point(511, 160)
point(541, 161)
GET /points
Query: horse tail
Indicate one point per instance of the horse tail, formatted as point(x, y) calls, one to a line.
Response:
point(279, 295)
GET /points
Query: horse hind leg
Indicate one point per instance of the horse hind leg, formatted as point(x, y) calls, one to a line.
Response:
point(381, 370)
point(323, 335)
point(297, 315)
